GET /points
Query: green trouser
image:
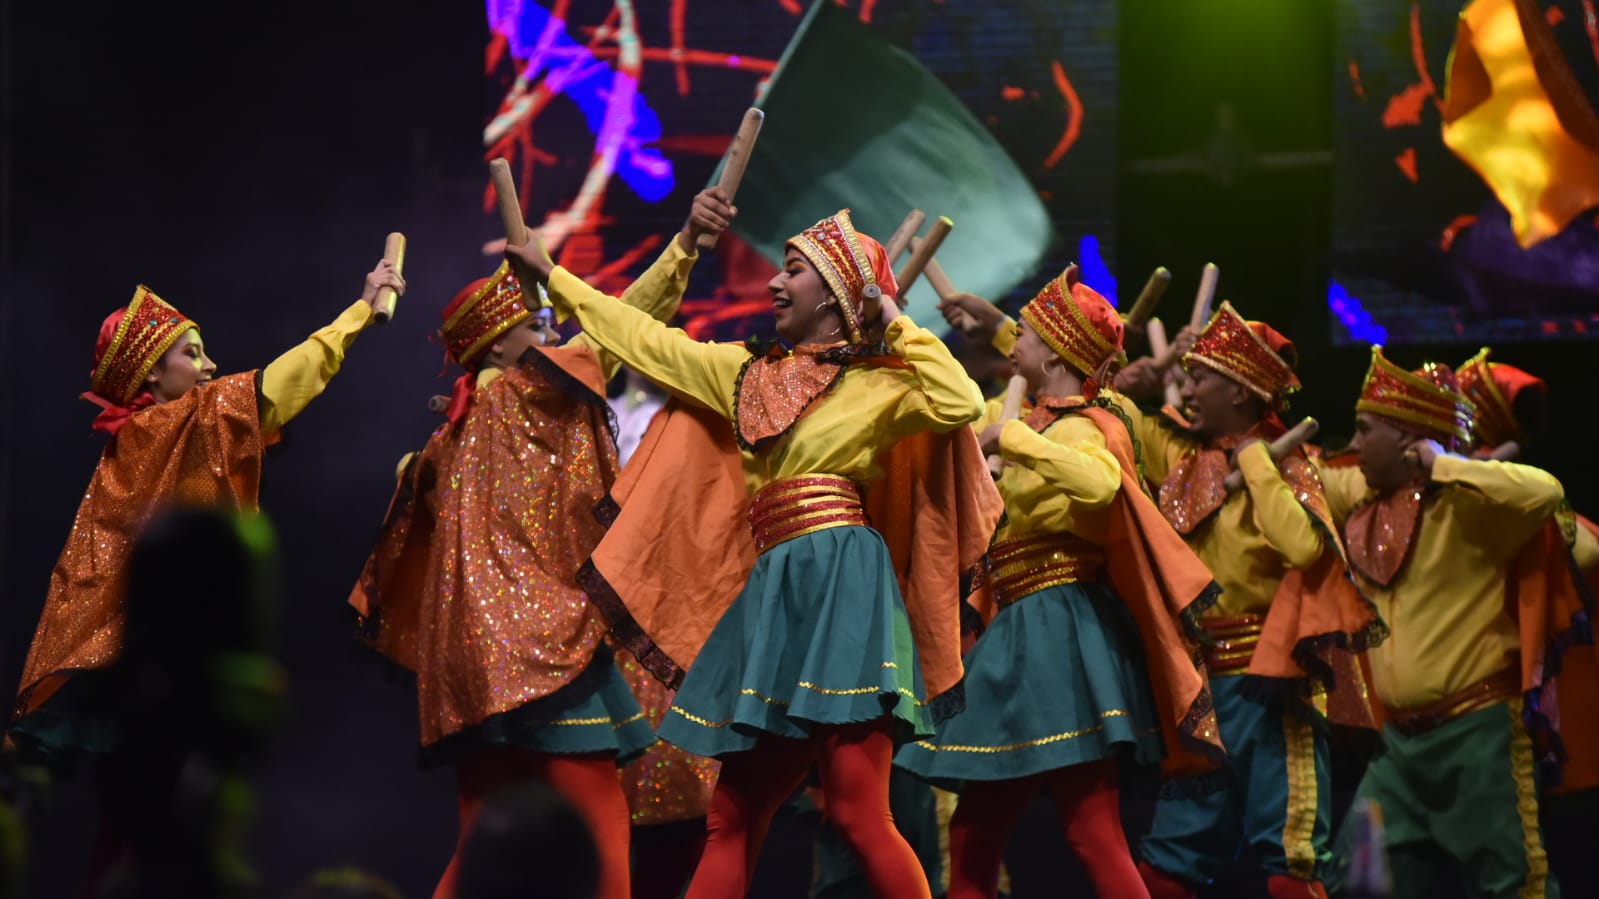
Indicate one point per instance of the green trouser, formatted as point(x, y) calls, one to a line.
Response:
point(1277, 797)
point(1461, 799)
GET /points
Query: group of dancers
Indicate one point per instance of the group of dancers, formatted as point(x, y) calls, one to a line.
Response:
point(808, 565)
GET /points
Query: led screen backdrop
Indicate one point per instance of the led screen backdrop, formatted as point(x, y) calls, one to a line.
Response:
point(614, 114)
point(1424, 250)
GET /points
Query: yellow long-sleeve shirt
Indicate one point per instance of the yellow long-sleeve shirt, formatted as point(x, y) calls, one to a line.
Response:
point(1255, 537)
point(868, 409)
point(290, 382)
point(1060, 481)
point(1446, 607)
point(657, 293)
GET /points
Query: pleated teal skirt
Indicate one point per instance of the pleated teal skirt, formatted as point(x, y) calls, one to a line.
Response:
point(596, 712)
point(819, 636)
point(1058, 679)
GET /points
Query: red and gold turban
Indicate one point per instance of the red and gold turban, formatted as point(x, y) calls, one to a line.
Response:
point(854, 265)
point(1427, 400)
point(1252, 353)
point(1493, 387)
point(1077, 323)
point(132, 340)
point(480, 313)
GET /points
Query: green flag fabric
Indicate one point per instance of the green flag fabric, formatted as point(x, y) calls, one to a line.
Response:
point(854, 121)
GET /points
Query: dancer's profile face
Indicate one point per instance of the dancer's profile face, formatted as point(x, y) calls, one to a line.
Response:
point(184, 367)
point(1029, 355)
point(1380, 447)
point(535, 330)
point(1211, 400)
point(805, 311)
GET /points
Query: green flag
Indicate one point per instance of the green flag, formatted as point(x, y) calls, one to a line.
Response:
point(854, 121)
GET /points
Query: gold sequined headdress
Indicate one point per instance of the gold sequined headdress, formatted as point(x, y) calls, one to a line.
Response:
point(129, 346)
point(1427, 400)
point(854, 265)
point(480, 313)
point(1251, 353)
point(1077, 323)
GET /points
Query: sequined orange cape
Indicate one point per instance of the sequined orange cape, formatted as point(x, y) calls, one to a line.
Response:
point(679, 550)
point(665, 784)
point(204, 448)
point(470, 582)
point(1559, 666)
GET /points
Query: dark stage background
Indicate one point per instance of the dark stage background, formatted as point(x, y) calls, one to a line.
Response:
point(246, 161)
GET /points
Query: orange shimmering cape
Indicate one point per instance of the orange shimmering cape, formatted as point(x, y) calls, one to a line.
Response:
point(679, 550)
point(203, 448)
point(1559, 669)
point(470, 582)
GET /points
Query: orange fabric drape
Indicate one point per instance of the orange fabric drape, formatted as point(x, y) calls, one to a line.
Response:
point(203, 448)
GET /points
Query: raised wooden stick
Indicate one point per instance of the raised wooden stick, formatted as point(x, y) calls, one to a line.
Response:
point(900, 240)
point(1506, 452)
point(738, 156)
point(925, 248)
point(393, 251)
point(1015, 393)
point(1291, 440)
point(510, 206)
point(506, 199)
point(945, 288)
point(1202, 299)
point(1154, 289)
point(1155, 331)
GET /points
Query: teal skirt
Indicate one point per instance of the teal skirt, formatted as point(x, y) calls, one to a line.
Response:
point(596, 712)
point(1058, 679)
point(819, 636)
point(80, 717)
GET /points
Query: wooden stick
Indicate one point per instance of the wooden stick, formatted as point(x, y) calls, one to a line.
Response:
point(942, 285)
point(1202, 299)
point(923, 252)
point(1154, 289)
point(393, 251)
point(945, 288)
point(1506, 452)
point(1015, 392)
point(1155, 331)
point(1291, 440)
point(738, 157)
point(900, 240)
point(510, 207)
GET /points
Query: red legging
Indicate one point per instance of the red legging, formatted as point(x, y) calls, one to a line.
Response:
point(1088, 805)
point(853, 761)
point(587, 781)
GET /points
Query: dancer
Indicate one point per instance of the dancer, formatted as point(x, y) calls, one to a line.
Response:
point(1059, 685)
point(818, 660)
point(1434, 539)
point(471, 584)
point(1288, 614)
point(176, 434)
